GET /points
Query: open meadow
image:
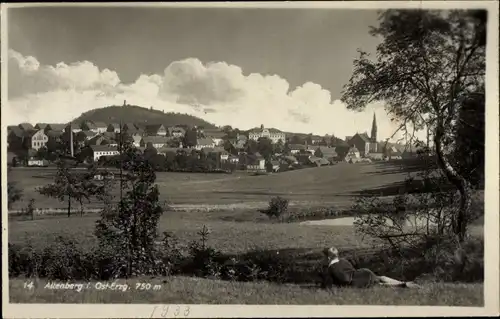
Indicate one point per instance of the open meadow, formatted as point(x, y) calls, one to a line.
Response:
point(227, 206)
point(328, 185)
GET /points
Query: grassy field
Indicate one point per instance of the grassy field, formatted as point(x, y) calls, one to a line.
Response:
point(226, 236)
point(188, 290)
point(329, 185)
point(237, 227)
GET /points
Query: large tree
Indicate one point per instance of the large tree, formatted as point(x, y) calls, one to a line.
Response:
point(127, 231)
point(265, 147)
point(427, 65)
point(190, 138)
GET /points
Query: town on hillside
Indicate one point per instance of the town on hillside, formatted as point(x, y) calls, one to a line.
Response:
point(194, 148)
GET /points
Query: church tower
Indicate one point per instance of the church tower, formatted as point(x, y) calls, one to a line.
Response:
point(374, 129)
point(374, 144)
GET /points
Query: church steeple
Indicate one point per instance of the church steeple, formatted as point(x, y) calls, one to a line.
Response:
point(374, 129)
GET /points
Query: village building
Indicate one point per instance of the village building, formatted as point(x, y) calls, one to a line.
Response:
point(101, 127)
point(353, 155)
point(255, 162)
point(56, 127)
point(89, 134)
point(96, 140)
point(176, 131)
point(364, 143)
point(316, 139)
point(318, 161)
point(204, 143)
point(114, 127)
point(75, 128)
point(37, 139)
point(36, 162)
point(329, 153)
point(297, 148)
point(156, 141)
point(215, 134)
point(155, 130)
point(103, 150)
point(233, 159)
point(273, 134)
point(275, 166)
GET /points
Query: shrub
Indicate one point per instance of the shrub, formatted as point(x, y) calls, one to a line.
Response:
point(205, 260)
point(278, 207)
point(30, 210)
point(170, 254)
point(64, 260)
point(24, 261)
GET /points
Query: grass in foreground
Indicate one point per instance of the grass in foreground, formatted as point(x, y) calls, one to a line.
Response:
point(189, 290)
point(227, 237)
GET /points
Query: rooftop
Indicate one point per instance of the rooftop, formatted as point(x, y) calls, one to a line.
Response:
point(104, 148)
point(205, 141)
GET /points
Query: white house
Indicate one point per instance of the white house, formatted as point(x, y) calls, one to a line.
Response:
point(100, 127)
point(273, 134)
point(38, 139)
point(37, 162)
point(103, 150)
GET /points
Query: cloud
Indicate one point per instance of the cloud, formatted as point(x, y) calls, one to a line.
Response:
point(218, 92)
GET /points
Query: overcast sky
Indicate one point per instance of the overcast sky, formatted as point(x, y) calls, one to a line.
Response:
point(283, 68)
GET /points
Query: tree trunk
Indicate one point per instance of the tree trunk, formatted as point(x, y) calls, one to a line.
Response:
point(462, 185)
point(69, 205)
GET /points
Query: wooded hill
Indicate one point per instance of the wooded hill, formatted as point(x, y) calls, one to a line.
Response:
point(140, 115)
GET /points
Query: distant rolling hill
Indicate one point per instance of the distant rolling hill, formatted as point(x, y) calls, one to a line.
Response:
point(141, 115)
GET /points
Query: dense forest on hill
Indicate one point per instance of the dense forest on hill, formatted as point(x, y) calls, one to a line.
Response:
point(137, 114)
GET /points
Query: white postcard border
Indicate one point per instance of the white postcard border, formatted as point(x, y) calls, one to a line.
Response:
point(491, 229)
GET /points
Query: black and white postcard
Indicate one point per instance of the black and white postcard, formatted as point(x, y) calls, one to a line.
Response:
point(267, 159)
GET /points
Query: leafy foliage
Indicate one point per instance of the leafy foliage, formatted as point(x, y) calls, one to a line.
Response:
point(190, 138)
point(265, 147)
point(127, 232)
point(72, 185)
point(278, 208)
point(470, 137)
point(318, 152)
point(137, 114)
point(428, 64)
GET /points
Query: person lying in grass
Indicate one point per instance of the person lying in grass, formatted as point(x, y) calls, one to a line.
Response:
point(340, 272)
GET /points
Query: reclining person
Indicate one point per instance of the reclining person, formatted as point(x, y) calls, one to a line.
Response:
point(341, 272)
